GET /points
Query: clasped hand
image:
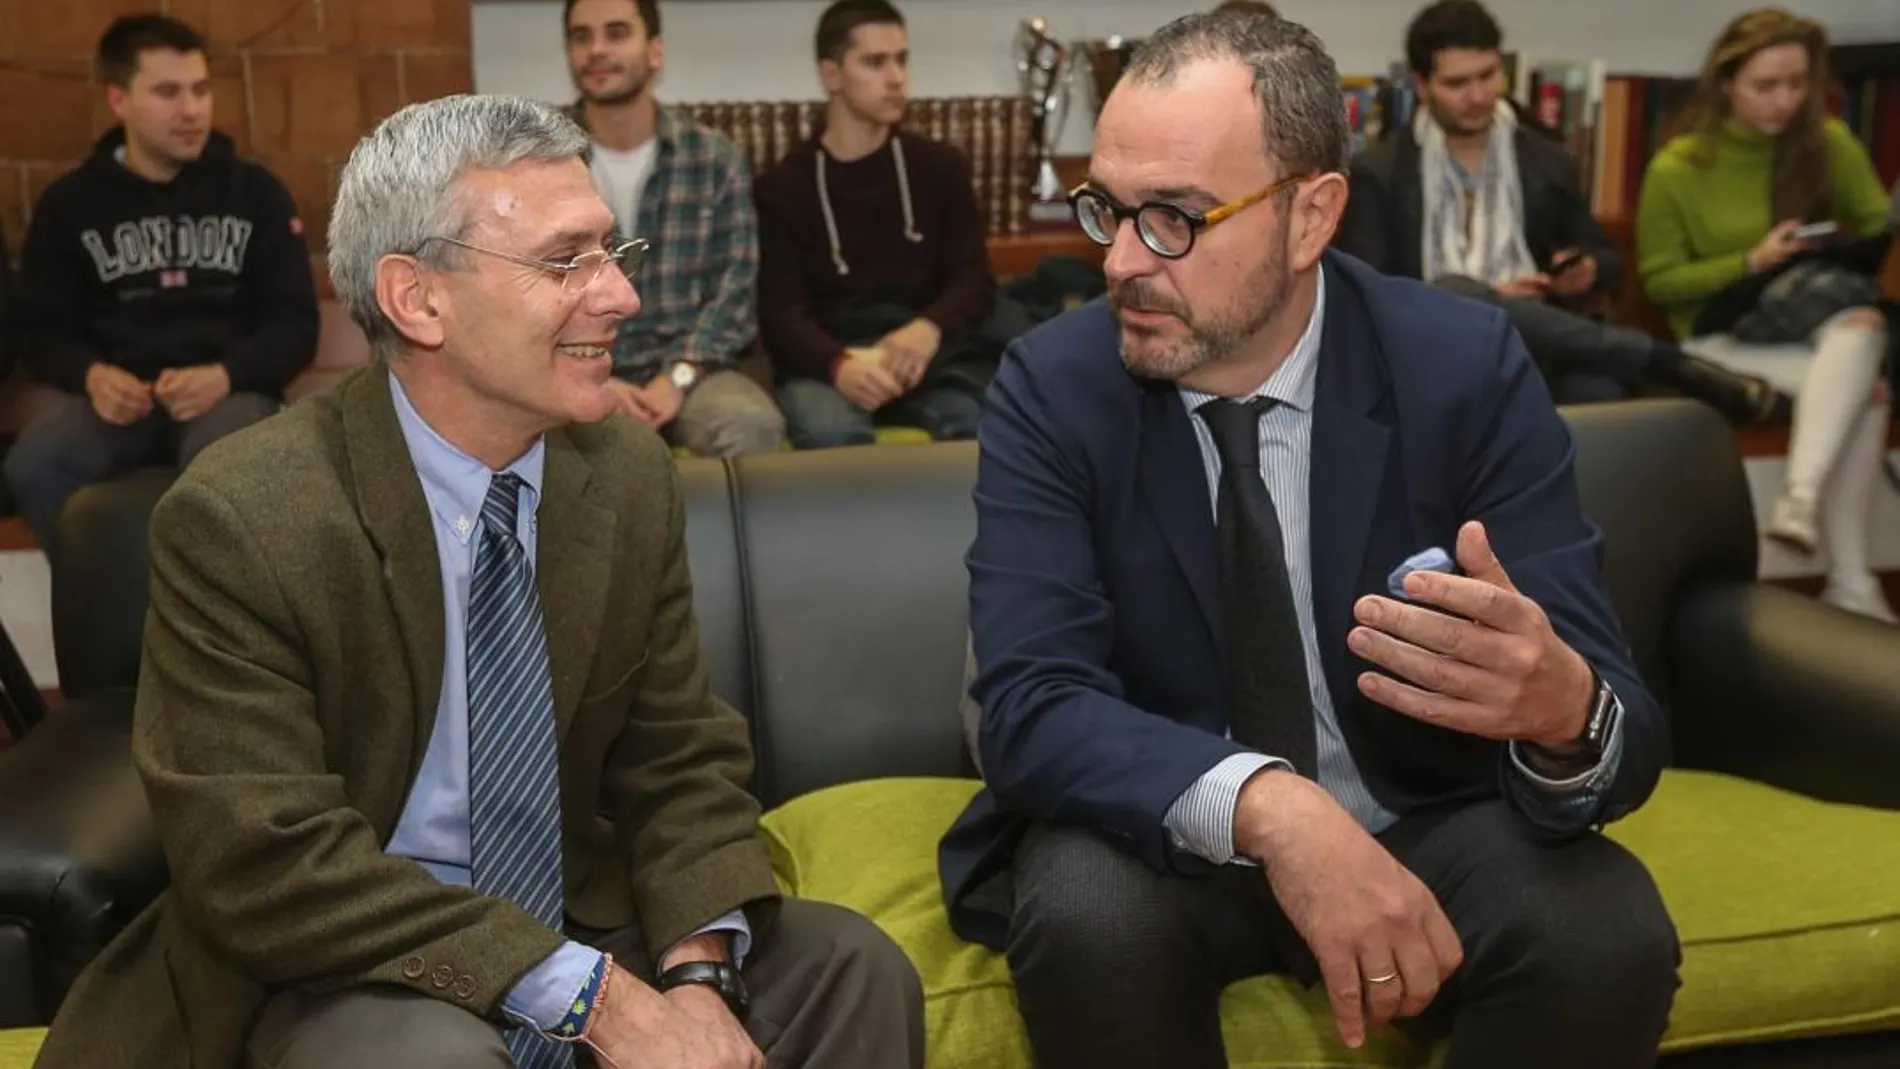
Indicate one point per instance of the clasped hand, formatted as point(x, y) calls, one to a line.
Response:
point(689, 1027)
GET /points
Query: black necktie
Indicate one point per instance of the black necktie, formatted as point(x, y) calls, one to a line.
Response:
point(1271, 706)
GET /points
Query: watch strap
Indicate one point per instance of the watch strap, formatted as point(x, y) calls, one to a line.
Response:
point(722, 977)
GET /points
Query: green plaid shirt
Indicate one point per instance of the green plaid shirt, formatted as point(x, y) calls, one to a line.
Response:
point(698, 283)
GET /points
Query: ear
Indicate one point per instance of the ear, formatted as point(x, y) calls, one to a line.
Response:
point(1420, 85)
point(1317, 209)
point(656, 54)
point(830, 75)
point(115, 99)
point(405, 294)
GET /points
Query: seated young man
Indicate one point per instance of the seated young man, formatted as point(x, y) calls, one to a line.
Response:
point(683, 188)
point(165, 290)
point(875, 291)
point(1475, 202)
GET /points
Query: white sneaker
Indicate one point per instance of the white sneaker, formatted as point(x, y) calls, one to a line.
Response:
point(1865, 600)
point(1794, 523)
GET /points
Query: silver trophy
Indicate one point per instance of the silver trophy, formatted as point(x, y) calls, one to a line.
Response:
point(1047, 68)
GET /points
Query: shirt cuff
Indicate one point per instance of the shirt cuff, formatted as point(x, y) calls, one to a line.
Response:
point(542, 998)
point(734, 923)
point(1201, 820)
point(1588, 780)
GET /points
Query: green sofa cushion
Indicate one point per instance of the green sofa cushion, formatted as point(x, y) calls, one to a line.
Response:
point(1786, 908)
point(18, 1046)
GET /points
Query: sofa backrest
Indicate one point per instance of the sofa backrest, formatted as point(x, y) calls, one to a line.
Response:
point(1664, 480)
point(832, 598)
point(854, 593)
point(843, 573)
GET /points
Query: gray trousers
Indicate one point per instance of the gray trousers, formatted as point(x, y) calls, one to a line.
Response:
point(727, 415)
point(828, 990)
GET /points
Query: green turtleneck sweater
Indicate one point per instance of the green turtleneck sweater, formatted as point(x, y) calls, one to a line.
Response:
point(1696, 222)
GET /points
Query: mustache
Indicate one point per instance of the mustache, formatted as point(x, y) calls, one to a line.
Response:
point(1139, 293)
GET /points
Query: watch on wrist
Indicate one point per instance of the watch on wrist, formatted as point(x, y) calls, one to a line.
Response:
point(722, 977)
point(684, 374)
point(1596, 725)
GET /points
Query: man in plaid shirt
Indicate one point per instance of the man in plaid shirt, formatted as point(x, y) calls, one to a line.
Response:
point(685, 189)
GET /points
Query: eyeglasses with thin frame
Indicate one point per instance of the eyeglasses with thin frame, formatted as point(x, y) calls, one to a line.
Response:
point(578, 273)
point(1168, 230)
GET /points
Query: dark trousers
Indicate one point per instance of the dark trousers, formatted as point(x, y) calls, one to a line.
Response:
point(827, 989)
point(1583, 360)
point(1570, 957)
point(67, 446)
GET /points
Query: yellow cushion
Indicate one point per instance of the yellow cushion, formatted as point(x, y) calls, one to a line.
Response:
point(1788, 910)
point(19, 1045)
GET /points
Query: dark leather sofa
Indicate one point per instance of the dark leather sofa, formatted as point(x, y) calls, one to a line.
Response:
point(830, 591)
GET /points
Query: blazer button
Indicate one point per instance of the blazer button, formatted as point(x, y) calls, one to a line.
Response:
point(413, 968)
point(465, 987)
point(442, 977)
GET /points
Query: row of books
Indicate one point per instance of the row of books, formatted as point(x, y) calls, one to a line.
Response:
point(1613, 123)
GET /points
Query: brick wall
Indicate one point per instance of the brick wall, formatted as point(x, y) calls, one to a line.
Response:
point(296, 83)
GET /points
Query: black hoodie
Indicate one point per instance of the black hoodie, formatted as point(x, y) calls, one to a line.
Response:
point(209, 268)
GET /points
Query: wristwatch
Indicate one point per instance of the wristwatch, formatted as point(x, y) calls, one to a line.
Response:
point(684, 374)
point(718, 975)
point(1596, 726)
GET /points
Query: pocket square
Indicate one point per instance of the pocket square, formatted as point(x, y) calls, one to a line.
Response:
point(1431, 560)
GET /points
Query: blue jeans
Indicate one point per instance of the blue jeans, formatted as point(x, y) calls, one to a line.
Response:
point(67, 446)
point(817, 416)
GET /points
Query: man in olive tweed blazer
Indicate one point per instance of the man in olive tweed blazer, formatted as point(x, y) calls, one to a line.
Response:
point(294, 662)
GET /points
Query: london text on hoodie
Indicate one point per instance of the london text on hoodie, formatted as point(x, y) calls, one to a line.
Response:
point(208, 268)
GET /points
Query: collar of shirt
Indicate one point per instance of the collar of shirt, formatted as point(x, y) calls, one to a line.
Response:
point(454, 483)
point(1293, 383)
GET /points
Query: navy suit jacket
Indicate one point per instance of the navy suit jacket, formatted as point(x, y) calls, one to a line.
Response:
point(1095, 576)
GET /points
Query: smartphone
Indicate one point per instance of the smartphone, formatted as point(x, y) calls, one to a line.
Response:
point(1564, 262)
point(1825, 228)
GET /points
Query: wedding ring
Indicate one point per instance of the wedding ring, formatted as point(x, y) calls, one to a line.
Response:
point(1386, 979)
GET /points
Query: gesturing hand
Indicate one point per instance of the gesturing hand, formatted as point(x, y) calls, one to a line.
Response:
point(1495, 668)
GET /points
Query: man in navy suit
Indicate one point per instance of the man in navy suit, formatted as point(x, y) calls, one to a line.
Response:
point(1219, 737)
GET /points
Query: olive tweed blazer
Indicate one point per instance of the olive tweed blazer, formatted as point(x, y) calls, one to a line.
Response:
point(292, 663)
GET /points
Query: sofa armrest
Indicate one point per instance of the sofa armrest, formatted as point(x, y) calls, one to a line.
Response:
point(78, 854)
point(1783, 689)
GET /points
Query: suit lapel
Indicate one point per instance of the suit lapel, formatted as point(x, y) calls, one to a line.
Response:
point(393, 511)
point(1348, 466)
point(573, 565)
point(1173, 478)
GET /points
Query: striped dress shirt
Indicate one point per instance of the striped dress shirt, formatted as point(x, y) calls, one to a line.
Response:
point(1201, 820)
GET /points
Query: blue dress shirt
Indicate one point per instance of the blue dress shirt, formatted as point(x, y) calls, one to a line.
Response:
point(433, 830)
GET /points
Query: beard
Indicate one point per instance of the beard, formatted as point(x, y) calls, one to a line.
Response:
point(1171, 350)
point(637, 84)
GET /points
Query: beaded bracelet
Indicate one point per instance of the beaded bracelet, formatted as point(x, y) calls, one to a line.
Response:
point(593, 995)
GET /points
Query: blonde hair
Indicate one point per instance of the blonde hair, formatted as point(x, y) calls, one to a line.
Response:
point(1800, 186)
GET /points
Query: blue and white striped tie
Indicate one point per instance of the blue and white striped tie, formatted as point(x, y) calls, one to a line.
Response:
point(514, 795)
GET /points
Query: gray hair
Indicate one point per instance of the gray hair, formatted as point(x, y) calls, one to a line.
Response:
point(1303, 122)
point(399, 188)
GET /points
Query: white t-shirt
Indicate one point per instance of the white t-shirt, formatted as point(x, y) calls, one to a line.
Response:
point(621, 178)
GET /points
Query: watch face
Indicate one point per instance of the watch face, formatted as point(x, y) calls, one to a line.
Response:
point(684, 375)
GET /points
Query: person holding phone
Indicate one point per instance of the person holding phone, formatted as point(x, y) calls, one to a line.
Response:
point(1726, 262)
point(1476, 201)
